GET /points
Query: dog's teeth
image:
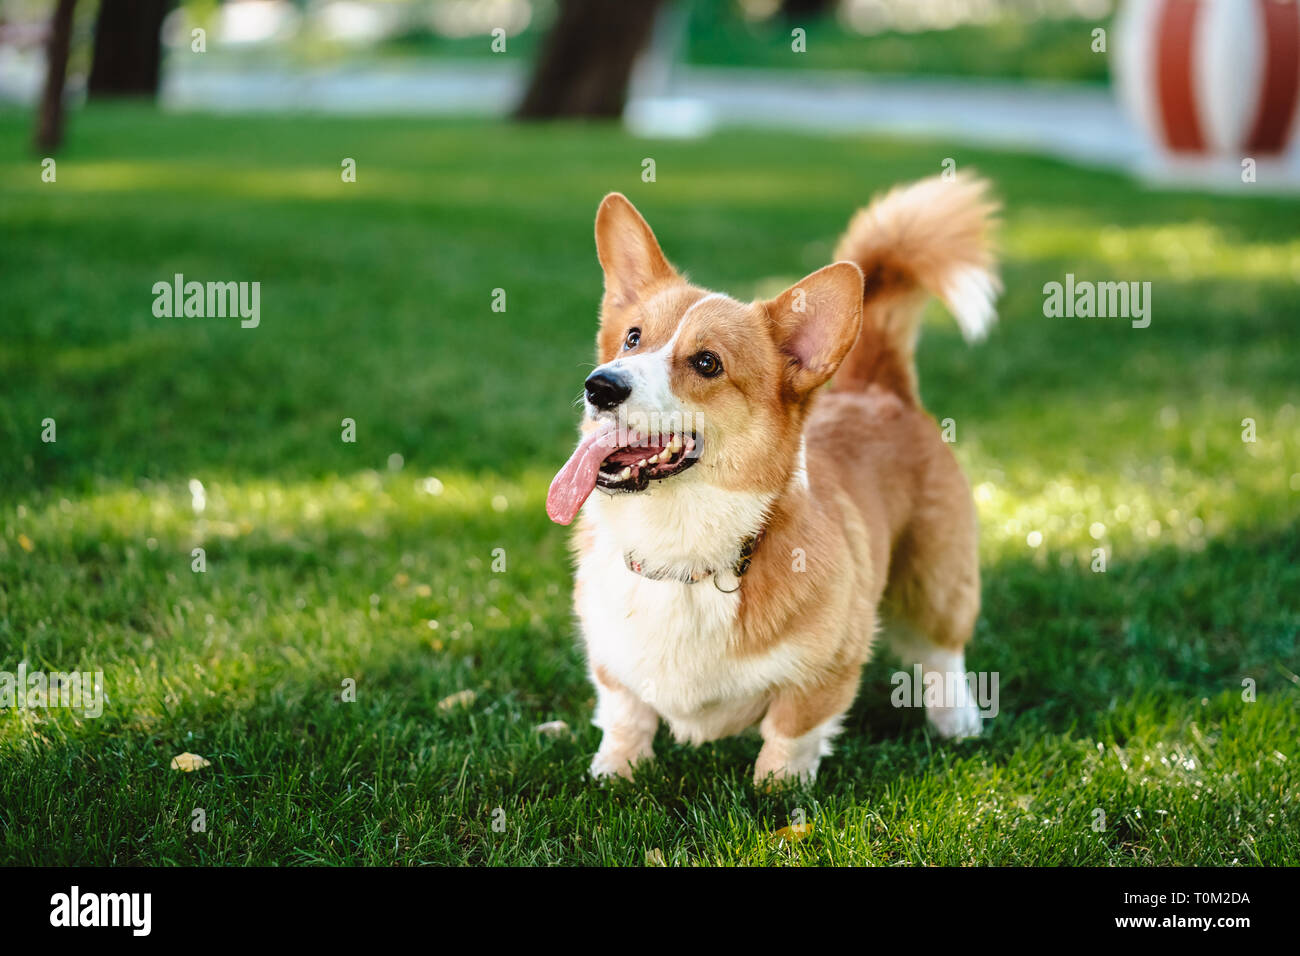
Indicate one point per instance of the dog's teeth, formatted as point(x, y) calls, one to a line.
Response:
point(643, 462)
point(625, 474)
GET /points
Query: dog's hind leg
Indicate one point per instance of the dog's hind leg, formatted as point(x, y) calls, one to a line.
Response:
point(950, 706)
point(932, 603)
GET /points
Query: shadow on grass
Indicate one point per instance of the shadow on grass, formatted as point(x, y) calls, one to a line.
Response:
point(1073, 649)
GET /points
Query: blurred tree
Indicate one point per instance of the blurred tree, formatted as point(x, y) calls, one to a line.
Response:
point(49, 119)
point(586, 60)
point(128, 48)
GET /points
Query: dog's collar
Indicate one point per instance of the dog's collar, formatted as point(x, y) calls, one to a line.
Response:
point(737, 569)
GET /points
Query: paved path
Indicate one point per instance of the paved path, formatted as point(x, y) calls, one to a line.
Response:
point(1080, 122)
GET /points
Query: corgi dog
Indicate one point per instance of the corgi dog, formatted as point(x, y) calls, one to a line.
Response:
point(753, 531)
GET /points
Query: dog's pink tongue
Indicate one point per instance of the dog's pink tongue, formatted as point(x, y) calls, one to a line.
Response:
point(577, 479)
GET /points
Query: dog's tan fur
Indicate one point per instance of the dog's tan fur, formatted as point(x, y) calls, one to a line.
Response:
point(883, 522)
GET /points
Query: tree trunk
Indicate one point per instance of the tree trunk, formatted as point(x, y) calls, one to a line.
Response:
point(796, 10)
point(128, 48)
point(49, 121)
point(586, 61)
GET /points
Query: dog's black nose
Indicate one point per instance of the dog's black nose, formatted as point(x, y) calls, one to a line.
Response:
point(606, 389)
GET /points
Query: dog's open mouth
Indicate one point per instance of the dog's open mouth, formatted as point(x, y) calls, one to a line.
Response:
point(616, 463)
point(634, 466)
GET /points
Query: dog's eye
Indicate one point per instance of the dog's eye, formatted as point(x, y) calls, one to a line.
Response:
point(706, 363)
point(633, 339)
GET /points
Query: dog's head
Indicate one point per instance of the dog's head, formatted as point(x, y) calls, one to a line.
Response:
point(695, 386)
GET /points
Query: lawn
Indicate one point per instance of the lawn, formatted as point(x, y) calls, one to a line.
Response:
point(377, 561)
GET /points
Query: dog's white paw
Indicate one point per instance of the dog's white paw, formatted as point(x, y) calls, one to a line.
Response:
point(955, 723)
point(607, 764)
point(772, 779)
point(792, 761)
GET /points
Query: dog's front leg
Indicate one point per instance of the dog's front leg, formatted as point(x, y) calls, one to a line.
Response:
point(629, 726)
point(798, 730)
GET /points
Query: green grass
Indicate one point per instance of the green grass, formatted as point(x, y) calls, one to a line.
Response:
point(328, 561)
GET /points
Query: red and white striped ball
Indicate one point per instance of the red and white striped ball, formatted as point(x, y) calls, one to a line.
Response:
point(1211, 77)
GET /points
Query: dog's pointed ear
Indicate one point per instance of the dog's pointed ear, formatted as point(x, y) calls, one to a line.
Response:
point(627, 250)
point(816, 321)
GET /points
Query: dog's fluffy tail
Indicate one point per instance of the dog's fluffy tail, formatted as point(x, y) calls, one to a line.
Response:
point(928, 238)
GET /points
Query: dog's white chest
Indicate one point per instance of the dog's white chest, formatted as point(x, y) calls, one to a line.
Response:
point(670, 644)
